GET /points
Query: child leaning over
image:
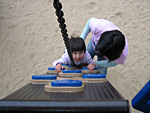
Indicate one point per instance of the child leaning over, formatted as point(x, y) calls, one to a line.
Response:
point(79, 53)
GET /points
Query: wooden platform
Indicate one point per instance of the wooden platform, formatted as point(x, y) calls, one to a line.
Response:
point(70, 75)
point(49, 88)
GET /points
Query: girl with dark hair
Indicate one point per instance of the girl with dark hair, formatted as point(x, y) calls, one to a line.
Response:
point(107, 42)
point(79, 53)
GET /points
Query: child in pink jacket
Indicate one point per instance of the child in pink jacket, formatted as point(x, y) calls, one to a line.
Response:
point(107, 41)
point(79, 53)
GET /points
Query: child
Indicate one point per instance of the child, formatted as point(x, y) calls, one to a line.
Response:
point(79, 53)
point(107, 42)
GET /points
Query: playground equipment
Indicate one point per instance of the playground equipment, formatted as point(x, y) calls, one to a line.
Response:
point(66, 85)
point(90, 93)
point(141, 101)
point(73, 74)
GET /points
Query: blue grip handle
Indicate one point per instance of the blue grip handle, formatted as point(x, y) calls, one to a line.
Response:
point(72, 71)
point(44, 77)
point(66, 83)
point(53, 68)
point(85, 68)
point(93, 75)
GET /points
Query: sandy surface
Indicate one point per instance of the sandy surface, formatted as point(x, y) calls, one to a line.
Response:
point(30, 39)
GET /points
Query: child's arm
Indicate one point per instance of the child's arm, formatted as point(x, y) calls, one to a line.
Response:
point(91, 67)
point(62, 60)
point(90, 61)
point(58, 67)
point(105, 63)
point(86, 30)
point(59, 61)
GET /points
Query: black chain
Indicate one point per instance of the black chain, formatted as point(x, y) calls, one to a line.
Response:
point(57, 5)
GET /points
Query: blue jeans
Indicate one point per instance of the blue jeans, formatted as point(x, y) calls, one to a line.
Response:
point(90, 49)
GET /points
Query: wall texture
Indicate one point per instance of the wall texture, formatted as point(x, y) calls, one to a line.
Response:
point(30, 39)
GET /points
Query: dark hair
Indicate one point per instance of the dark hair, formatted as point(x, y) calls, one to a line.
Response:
point(111, 44)
point(77, 44)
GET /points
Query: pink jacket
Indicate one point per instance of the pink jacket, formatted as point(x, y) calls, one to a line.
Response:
point(98, 26)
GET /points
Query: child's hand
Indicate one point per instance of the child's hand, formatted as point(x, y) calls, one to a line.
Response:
point(58, 67)
point(91, 67)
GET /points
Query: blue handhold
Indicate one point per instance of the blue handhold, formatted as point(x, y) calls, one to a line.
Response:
point(53, 68)
point(66, 83)
point(71, 66)
point(141, 101)
point(85, 68)
point(94, 76)
point(72, 71)
point(44, 77)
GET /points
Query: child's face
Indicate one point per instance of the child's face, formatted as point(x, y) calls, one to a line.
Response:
point(78, 55)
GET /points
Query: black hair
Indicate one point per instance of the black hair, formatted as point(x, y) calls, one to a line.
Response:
point(111, 44)
point(77, 44)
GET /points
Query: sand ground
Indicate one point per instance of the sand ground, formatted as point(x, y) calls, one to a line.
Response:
point(30, 39)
